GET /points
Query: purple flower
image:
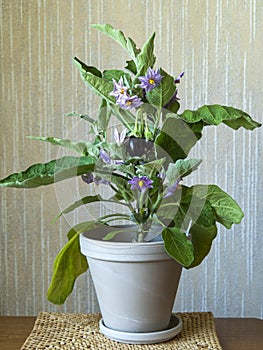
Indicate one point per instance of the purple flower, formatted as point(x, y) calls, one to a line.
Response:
point(140, 183)
point(177, 80)
point(105, 157)
point(89, 178)
point(151, 79)
point(129, 102)
point(171, 189)
point(119, 89)
point(161, 176)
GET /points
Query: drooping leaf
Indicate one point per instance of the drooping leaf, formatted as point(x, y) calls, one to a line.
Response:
point(216, 114)
point(162, 94)
point(226, 209)
point(79, 147)
point(47, 173)
point(181, 168)
point(68, 265)
point(202, 238)
point(177, 138)
point(178, 246)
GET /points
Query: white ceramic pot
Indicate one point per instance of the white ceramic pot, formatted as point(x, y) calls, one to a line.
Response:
point(135, 283)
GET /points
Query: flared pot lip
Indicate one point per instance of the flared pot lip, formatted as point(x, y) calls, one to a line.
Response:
point(92, 245)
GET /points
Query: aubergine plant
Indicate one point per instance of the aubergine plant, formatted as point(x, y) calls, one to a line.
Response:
point(143, 163)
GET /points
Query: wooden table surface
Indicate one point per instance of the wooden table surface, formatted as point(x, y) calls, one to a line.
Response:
point(233, 333)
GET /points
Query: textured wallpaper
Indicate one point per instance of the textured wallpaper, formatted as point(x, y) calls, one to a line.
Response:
point(218, 44)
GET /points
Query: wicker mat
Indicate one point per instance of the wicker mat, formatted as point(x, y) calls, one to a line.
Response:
point(80, 331)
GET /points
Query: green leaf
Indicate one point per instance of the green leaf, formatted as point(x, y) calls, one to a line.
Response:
point(100, 86)
point(112, 234)
point(48, 173)
point(82, 116)
point(117, 35)
point(79, 147)
point(82, 227)
point(216, 114)
point(178, 246)
point(150, 166)
point(173, 106)
point(104, 116)
point(146, 57)
point(84, 201)
point(68, 265)
point(116, 75)
point(177, 138)
point(227, 211)
point(162, 94)
point(181, 168)
point(77, 204)
point(202, 238)
point(124, 116)
point(83, 68)
point(131, 66)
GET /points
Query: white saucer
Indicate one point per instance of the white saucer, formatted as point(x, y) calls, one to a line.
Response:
point(174, 328)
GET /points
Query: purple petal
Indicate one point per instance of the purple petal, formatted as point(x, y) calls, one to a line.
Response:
point(177, 80)
point(88, 178)
point(105, 157)
point(140, 183)
point(152, 79)
point(127, 102)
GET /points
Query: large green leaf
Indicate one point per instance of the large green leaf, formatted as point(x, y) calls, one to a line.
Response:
point(162, 94)
point(177, 138)
point(146, 57)
point(68, 265)
point(79, 147)
point(202, 238)
point(178, 246)
point(48, 173)
point(226, 209)
point(117, 35)
point(181, 168)
point(216, 114)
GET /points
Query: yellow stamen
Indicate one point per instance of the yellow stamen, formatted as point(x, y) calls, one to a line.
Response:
point(151, 81)
point(128, 103)
point(140, 183)
point(122, 91)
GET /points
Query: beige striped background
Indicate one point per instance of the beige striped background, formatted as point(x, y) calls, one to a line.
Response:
point(218, 43)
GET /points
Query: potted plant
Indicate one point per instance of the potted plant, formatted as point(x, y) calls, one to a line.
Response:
point(142, 163)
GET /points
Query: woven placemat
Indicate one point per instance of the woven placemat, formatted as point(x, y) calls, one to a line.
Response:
point(81, 331)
